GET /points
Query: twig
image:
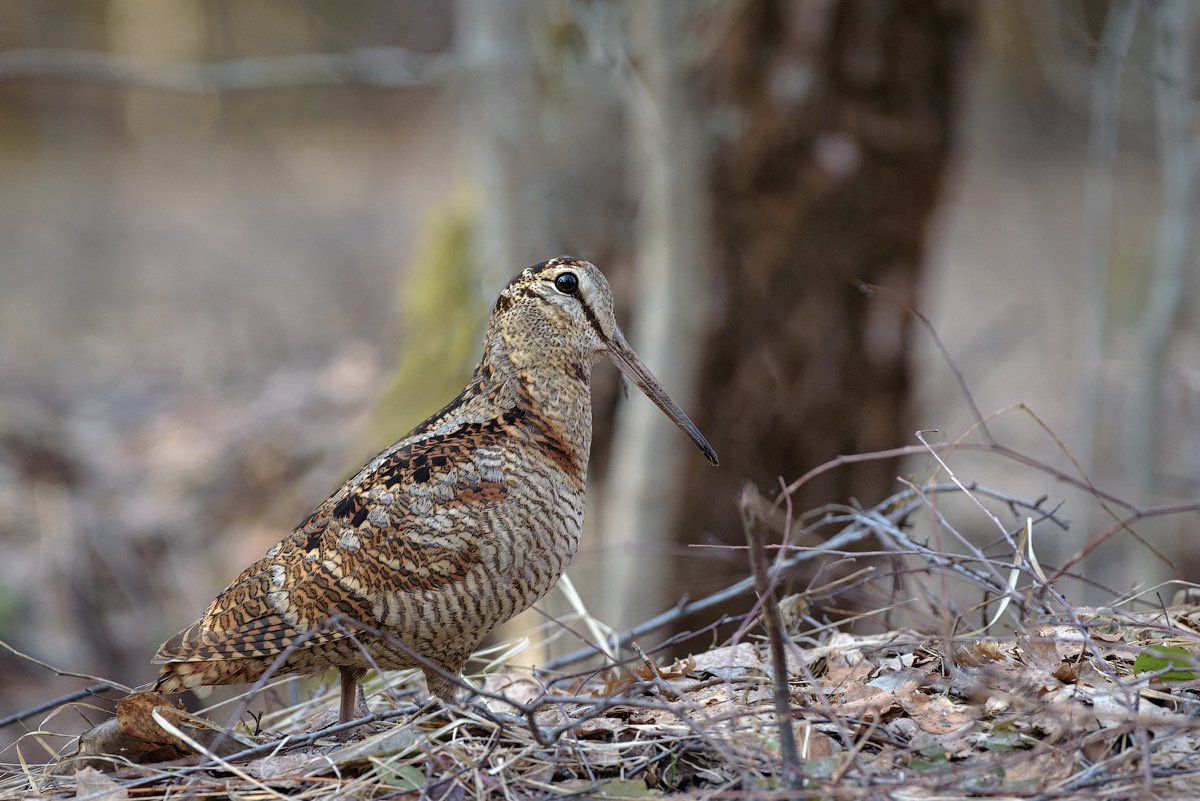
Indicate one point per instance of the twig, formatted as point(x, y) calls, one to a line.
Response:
point(720, 598)
point(748, 504)
point(896, 508)
point(1141, 514)
point(116, 685)
point(980, 422)
point(656, 674)
point(368, 66)
point(45, 706)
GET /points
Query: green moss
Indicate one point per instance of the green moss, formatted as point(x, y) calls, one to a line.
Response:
point(442, 317)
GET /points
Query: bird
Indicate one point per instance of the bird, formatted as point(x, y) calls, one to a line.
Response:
point(470, 518)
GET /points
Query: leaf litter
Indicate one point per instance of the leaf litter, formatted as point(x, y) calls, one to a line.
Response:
point(1067, 702)
point(1027, 716)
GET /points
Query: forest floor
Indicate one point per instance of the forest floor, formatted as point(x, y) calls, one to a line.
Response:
point(1044, 700)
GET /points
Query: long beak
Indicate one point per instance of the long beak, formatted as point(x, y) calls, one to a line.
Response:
point(628, 363)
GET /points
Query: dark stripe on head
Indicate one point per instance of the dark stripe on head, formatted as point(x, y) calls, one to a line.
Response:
point(591, 315)
point(508, 296)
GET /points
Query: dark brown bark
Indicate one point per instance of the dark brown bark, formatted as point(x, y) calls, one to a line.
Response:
point(841, 119)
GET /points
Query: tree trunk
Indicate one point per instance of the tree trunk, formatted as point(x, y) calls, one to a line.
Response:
point(838, 124)
point(667, 309)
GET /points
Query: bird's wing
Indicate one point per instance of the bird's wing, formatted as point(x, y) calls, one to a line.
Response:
point(406, 523)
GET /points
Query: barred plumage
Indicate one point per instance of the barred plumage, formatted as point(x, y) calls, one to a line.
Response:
point(465, 522)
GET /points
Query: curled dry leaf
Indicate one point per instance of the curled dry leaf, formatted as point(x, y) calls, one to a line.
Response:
point(135, 736)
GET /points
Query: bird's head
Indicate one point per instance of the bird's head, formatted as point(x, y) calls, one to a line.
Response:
point(561, 312)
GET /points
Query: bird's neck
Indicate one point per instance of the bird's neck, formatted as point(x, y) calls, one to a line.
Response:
point(551, 386)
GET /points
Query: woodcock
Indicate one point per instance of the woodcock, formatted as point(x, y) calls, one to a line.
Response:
point(451, 531)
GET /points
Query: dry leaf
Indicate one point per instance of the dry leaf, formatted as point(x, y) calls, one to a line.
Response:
point(519, 688)
point(812, 744)
point(979, 653)
point(95, 786)
point(730, 661)
point(1041, 770)
point(135, 736)
point(939, 715)
point(600, 728)
point(863, 700)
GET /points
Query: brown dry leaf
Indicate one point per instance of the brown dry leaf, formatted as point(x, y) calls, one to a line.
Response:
point(1067, 672)
point(677, 670)
point(1041, 770)
point(605, 755)
point(1062, 715)
point(273, 767)
point(845, 661)
point(842, 668)
point(900, 681)
point(980, 653)
point(723, 701)
point(939, 715)
point(1107, 633)
point(730, 661)
point(615, 681)
point(663, 719)
point(1100, 745)
point(95, 786)
point(600, 728)
point(135, 720)
point(863, 700)
point(135, 736)
point(1068, 640)
point(995, 705)
point(521, 689)
point(104, 747)
point(813, 744)
point(1089, 675)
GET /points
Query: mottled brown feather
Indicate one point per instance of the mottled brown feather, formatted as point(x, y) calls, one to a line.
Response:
point(454, 529)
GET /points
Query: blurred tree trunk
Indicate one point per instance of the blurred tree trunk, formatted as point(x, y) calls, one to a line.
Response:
point(667, 308)
point(838, 120)
point(546, 121)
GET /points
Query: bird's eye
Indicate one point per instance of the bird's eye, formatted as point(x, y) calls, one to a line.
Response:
point(567, 283)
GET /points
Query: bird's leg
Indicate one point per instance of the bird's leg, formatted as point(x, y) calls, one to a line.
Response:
point(440, 686)
point(350, 693)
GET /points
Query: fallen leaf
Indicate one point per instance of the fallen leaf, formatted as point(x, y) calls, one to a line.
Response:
point(864, 700)
point(939, 715)
point(95, 786)
point(813, 744)
point(1169, 662)
point(979, 653)
point(1041, 770)
point(738, 660)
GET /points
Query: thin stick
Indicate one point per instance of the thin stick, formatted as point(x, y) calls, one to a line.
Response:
point(748, 504)
point(25, 714)
point(116, 685)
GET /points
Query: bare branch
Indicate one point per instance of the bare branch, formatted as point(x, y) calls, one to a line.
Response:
point(748, 504)
point(367, 66)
